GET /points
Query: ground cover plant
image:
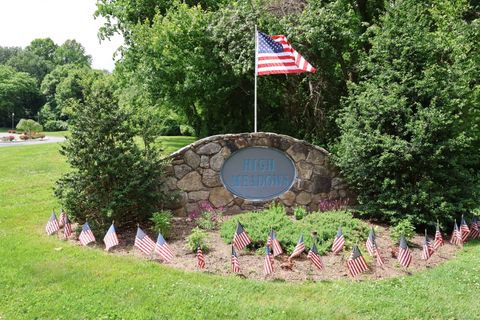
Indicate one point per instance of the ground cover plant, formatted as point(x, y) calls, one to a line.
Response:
point(322, 225)
point(43, 277)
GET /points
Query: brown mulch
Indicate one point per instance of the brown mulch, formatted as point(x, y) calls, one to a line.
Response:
point(251, 264)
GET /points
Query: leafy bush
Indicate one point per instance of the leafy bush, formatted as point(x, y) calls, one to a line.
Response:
point(409, 130)
point(162, 222)
point(404, 227)
point(112, 178)
point(324, 224)
point(55, 125)
point(29, 126)
point(170, 127)
point(208, 218)
point(186, 130)
point(300, 212)
point(197, 239)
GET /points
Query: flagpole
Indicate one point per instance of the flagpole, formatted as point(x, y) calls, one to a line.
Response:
point(255, 91)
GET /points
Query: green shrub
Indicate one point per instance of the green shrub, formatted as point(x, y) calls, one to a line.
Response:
point(55, 125)
point(162, 222)
point(111, 177)
point(409, 129)
point(29, 126)
point(209, 218)
point(324, 224)
point(170, 127)
point(186, 130)
point(300, 212)
point(197, 239)
point(404, 227)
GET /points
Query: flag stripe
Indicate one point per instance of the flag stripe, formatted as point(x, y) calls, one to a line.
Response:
point(275, 55)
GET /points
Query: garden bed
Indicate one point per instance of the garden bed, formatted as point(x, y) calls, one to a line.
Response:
point(251, 263)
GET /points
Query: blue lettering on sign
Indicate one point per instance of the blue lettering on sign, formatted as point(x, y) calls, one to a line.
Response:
point(258, 173)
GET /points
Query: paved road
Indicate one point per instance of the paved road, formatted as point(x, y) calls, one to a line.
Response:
point(24, 143)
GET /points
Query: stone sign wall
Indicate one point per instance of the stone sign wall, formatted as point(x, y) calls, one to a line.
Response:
point(194, 173)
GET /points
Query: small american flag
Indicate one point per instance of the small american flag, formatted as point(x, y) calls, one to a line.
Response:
point(427, 248)
point(339, 242)
point(143, 242)
point(273, 242)
point(404, 254)
point(52, 224)
point(356, 263)
point(67, 228)
point(275, 55)
point(299, 248)
point(373, 249)
point(86, 236)
point(163, 250)
point(371, 242)
point(268, 263)
point(235, 264)
point(110, 239)
point(200, 259)
point(464, 230)
point(378, 258)
point(240, 238)
point(475, 230)
point(314, 257)
point(456, 236)
point(438, 242)
point(61, 218)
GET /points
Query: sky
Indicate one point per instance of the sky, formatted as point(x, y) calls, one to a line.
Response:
point(21, 21)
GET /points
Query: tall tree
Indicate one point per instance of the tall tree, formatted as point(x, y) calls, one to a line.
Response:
point(44, 48)
point(72, 52)
point(111, 177)
point(18, 94)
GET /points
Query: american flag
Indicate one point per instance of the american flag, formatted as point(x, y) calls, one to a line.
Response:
point(373, 249)
point(438, 242)
point(371, 242)
point(404, 254)
point(67, 228)
point(378, 258)
point(275, 55)
point(273, 242)
point(427, 248)
point(52, 224)
point(200, 259)
point(110, 239)
point(314, 257)
point(299, 248)
point(339, 242)
point(235, 264)
point(240, 238)
point(86, 236)
point(456, 236)
point(61, 218)
point(143, 242)
point(163, 250)
point(356, 263)
point(464, 229)
point(475, 230)
point(268, 263)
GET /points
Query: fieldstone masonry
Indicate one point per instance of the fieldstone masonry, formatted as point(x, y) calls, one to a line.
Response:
point(194, 173)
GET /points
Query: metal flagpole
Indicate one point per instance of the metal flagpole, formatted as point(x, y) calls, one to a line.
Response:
point(256, 69)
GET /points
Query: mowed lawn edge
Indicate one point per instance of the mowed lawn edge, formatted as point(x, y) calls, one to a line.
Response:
point(42, 277)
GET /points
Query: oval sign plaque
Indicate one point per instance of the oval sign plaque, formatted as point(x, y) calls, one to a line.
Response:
point(258, 173)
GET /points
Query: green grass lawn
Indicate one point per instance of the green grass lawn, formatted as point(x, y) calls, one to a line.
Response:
point(42, 277)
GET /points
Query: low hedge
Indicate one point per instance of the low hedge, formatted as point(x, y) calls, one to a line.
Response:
point(325, 224)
